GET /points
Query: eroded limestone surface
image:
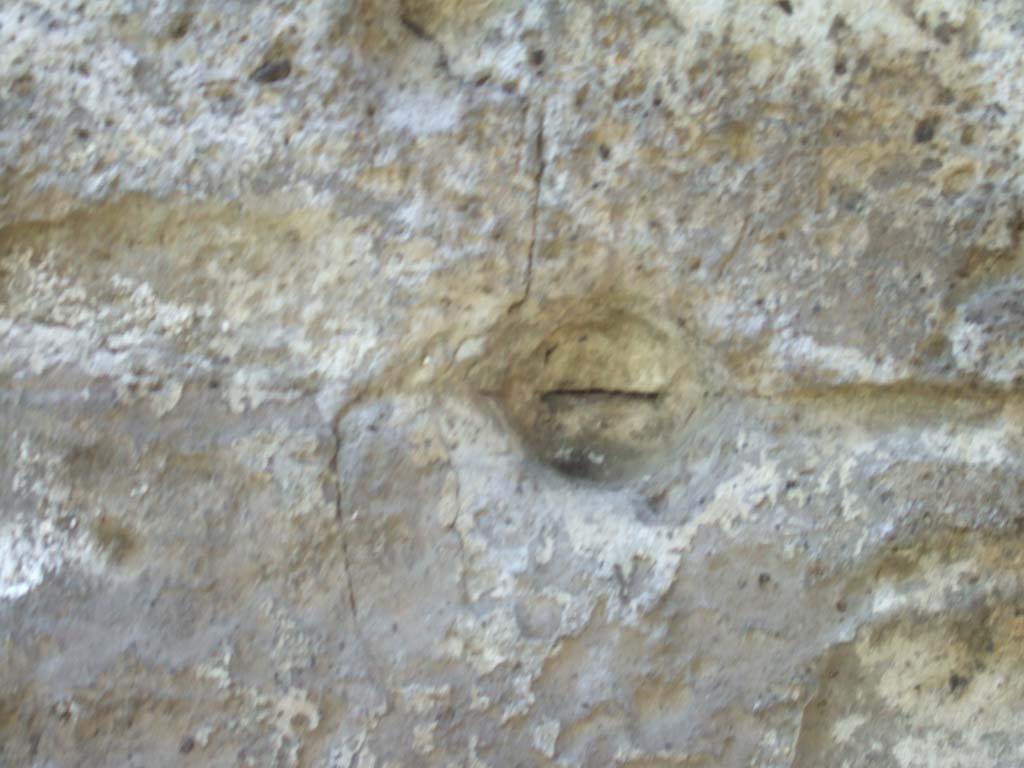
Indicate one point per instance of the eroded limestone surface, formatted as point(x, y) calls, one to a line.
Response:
point(414, 382)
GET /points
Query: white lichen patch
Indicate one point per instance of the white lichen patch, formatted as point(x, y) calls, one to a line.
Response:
point(839, 364)
point(985, 334)
point(32, 552)
point(600, 531)
point(843, 730)
point(545, 737)
point(24, 562)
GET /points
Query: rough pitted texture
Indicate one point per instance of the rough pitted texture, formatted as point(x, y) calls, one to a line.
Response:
point(512, 383)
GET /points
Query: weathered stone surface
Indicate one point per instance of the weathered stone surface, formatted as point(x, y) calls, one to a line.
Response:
point(490, 383)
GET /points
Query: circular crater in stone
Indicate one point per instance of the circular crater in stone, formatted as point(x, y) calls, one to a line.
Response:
point(603, 396)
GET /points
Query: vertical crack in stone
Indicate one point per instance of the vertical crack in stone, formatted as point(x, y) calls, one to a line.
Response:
point(344, 537)
point(540, 167)
point(741, 238)
point(449, 464)
point(538, 180)
point(372, 665)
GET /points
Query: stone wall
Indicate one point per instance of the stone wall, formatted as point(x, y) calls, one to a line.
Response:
point(512, 383)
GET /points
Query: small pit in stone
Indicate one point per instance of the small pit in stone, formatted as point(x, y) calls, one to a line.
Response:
point(604, 395)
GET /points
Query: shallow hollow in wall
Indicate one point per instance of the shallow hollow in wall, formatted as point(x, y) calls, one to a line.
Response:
point(602, 392)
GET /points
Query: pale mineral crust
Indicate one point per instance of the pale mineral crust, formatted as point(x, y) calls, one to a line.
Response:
point(394, 383)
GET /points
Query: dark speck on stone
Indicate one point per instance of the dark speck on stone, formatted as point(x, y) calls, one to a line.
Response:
point(925, 130)
point(956, 682)
point(537, 57)
point(180, 26)
point(272, 71)
point(605, 151)
point(763, 579)
point(187, 745)
point(786, 6)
